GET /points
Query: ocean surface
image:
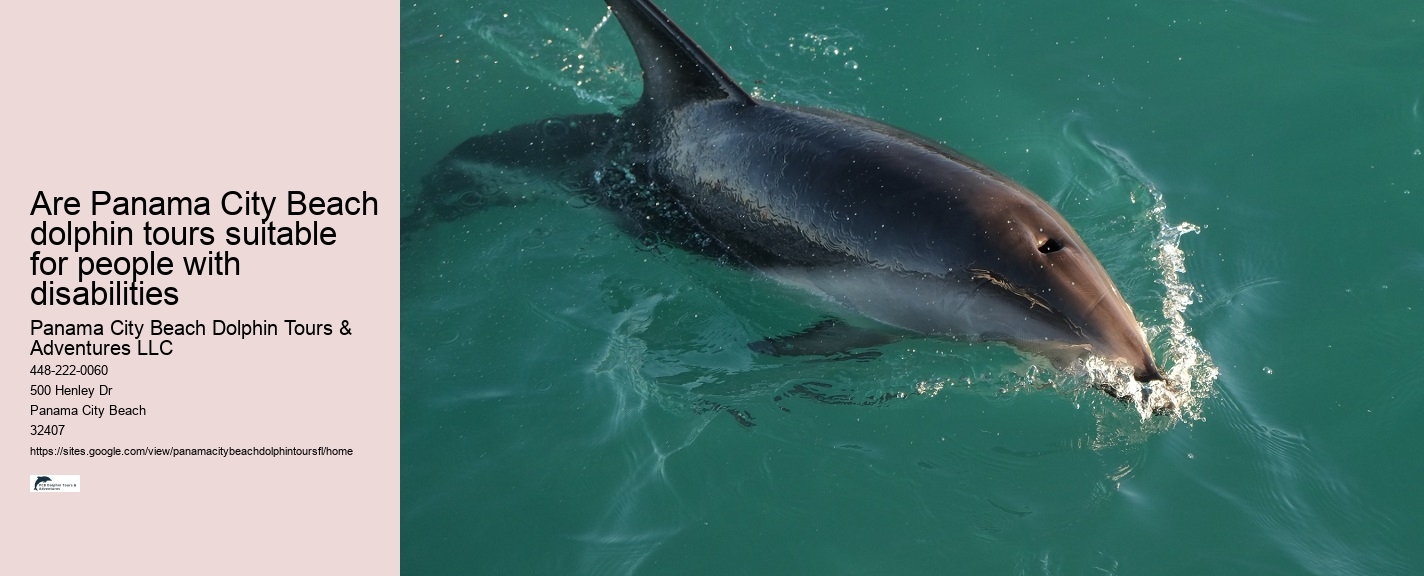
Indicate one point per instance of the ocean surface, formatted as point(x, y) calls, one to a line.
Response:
point(578, 401)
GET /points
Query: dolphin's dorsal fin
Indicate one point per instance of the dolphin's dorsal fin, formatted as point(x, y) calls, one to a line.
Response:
point(675, 70)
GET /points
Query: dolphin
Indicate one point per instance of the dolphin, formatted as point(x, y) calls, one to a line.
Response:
point(899, 234)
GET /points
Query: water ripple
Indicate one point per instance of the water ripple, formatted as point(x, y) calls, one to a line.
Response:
point(1300, 499)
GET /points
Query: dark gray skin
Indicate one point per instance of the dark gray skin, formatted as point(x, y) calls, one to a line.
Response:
point(895, 231)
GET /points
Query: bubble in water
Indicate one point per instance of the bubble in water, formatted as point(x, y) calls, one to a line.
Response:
point(852, 65)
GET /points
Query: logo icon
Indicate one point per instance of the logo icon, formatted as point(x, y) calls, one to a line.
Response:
point(54, 483)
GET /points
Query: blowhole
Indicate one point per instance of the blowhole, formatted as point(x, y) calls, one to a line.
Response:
point(1050, 246)
point(471, 199)
point(555, 128)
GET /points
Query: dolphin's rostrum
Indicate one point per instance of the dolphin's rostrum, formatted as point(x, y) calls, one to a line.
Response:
point(897, 232)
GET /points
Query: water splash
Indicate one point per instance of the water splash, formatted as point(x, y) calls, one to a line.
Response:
point(588, 42)
point(828, 50)
point(562, 56)
point(1189, 370)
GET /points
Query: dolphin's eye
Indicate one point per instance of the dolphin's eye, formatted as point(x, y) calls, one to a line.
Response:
point(1050, 246)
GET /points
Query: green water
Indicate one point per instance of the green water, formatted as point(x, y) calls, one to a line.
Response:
point(559, 379)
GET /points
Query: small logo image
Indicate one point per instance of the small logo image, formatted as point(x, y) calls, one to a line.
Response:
point(54, 483)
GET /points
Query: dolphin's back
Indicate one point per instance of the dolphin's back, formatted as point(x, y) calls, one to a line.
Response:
point(794, 186)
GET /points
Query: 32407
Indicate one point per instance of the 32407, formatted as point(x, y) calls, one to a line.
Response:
point(46, 429)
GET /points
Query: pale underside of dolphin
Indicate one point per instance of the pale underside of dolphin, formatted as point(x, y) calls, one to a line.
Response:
point(899, 234)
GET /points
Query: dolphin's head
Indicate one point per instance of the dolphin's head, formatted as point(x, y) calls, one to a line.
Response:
point(1030, 253)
